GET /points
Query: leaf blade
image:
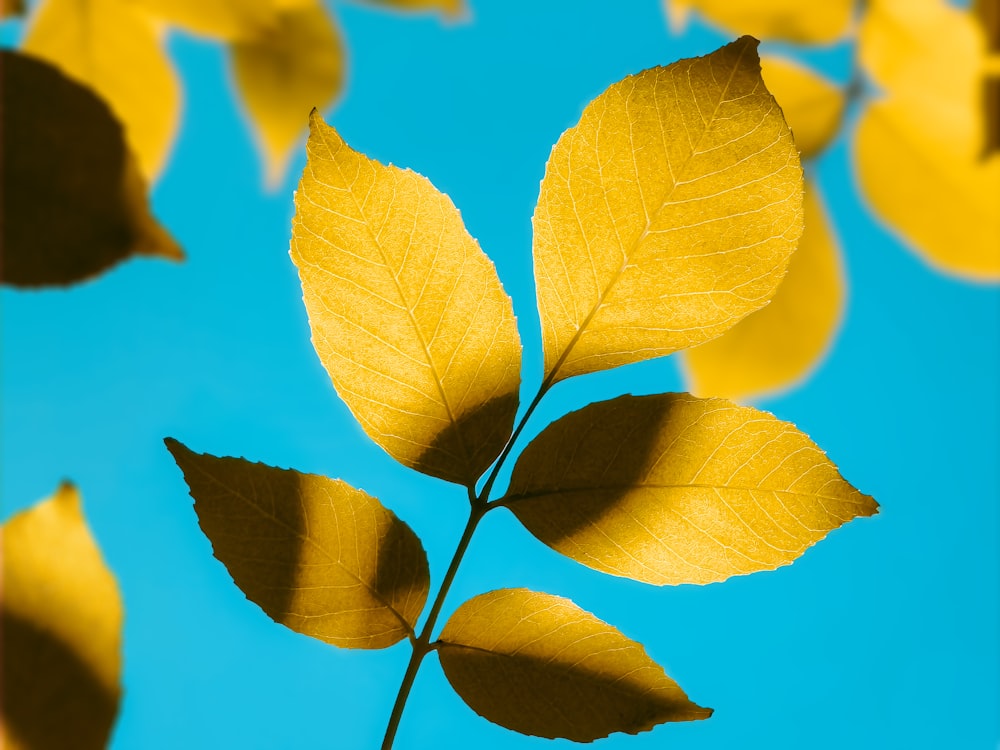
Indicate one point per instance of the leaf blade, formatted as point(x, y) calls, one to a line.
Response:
point(658, 228)
point(813, 105)
point(509, 652)
point(673, 489)
point(336, 565)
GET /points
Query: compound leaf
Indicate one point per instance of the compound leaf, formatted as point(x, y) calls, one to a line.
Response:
point(666, 215)
point(672, 489)
point(113, 47)
point(407, 313)
point(813, 106)
point(284, 72)
point(788, 20)
point(61, 624)
point(779, 345)
point(540, 665)
point(72, 200)
point(920, 149)
point(317, 555)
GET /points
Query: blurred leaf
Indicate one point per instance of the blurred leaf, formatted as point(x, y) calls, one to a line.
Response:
point(317, 555)
point(779, 345)
point(919, 149)
point(111, 46)
point(10, 8)
point(788, 20)
point(407, 313)
point(447, 7)
point(221, 19)
point(285, 72)
point(988, 13)
point(666, 215)
point(73, 201)
point(61, 631)
point(672, 489)
point(540, 665)
point(813, 106)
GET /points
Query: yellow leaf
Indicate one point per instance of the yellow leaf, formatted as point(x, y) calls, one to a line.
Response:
point(222, 19)
point(447, 7)
point(672, 489)
point(666, 215)
point(317, 555)
point(788, 20)
point(407, 313)
point(920, 148)
point(988, 13)
point(73, 201)
point(780, 345)
point(285, 72)
point(540, 665)
point(61, 630)
point(112, 47)
point(813, 106)
point(9, 8)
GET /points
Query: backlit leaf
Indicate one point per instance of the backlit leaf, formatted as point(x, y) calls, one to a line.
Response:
point(540, 665)
point(285, 72)
point(72, 200)
point(112, 46)
point(666, 215)
point(407, 313)
point(776, 347)
point(222, 19)
point(920, 152)
point(61, 631)
point(788, 20)
point(813, 106)
point(317, 555)
point(672, 489)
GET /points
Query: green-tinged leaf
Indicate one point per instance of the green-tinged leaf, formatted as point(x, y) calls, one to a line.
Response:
point(60, 624)
point(813, 106)
point(317, 555)
point(672, 489)
point(540, 665)
point(285, 72)
point(221, 19)
point(407, 313)
point(778, 346)
point(788, 20)
point(113, 47)
point(666, 215)
point(920, 148)
point(72, 200)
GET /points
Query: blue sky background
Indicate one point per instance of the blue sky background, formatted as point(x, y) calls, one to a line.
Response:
point(885, 635)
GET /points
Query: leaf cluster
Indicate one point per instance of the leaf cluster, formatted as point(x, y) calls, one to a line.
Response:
point(665, 216)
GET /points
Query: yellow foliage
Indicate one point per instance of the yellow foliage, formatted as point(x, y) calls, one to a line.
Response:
point(61, 629)
point(789, 20)
point(813, 106)
point(666, 215)
point(221, 19)
point(407, 313)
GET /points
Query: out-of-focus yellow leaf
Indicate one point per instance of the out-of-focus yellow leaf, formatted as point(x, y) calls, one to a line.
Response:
point(72, 200)
point(447, 7)
point(776, 347)
point(222, 19)
point(111, 46)
point(813, 106)
point(788, 20)
point(283, 73)
point(61, 631)
point(988, 13)
point(317, 555)
point(10, 8)
point(407, 313)
point(920, 148)
point(540, 665)
point(672, 489)
point(666, 215)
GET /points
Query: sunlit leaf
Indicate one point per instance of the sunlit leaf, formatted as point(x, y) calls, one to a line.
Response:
point(813, 106)
point(919, 149)
point(788, 20)
point(540, 665)
point(285, 72)
point(112, 46)
point(317, 555)
point(407, 313)
point(222, 19)
point(776, 347)
point(666, 215)
point(72, 200)
point(672, 489)
point(61, 631)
